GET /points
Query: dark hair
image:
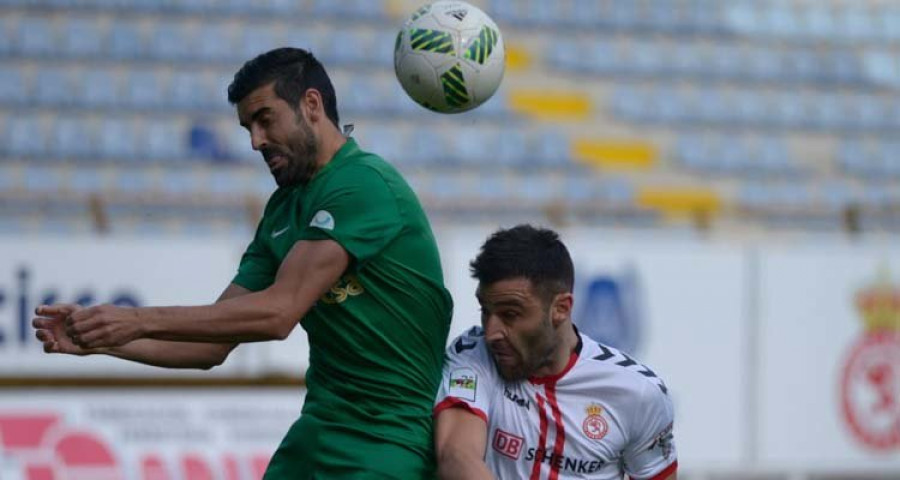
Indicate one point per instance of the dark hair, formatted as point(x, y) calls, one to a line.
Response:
point(293, 70)
point(524, 251)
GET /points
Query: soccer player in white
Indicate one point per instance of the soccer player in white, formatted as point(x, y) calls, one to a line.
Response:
point(526, 396)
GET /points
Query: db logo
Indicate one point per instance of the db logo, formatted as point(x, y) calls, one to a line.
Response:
point(507, 444)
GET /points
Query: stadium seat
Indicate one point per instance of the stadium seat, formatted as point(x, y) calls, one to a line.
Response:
point(125, 40)
point(144, 89)
point(14, 89)
point(73, 137)
point(163, 140)
point(26, 136)
point(35, 37)
point(98, 88)
point(134, 181)
point(54, 86)
point(255, 39)
point(42, 179)
point(117, 139)
point(82, 37)
point(169, 40)
point(189, 90)
point(87, 180)
point(213, 42)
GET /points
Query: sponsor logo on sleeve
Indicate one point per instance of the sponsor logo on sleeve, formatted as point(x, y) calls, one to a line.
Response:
point(663, 442)
point(594, 425)
point(463, 384)
point(322, 219)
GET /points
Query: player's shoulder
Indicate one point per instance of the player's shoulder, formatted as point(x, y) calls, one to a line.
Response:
point(469, 346)
point(619, 368)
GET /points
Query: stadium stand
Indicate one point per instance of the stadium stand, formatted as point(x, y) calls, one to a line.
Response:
point(771, 114)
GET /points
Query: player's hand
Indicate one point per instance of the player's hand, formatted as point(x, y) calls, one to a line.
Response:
point(50, 328)
point(103, 326)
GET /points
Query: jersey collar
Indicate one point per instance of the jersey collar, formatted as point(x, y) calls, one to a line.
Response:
point(348, 150)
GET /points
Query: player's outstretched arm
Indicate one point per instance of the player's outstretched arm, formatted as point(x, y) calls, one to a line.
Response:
point(306, 273)
point(460, 439)
point(50, 329)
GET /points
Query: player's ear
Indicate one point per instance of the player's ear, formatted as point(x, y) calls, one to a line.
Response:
point(313, 105)
point(561, 310)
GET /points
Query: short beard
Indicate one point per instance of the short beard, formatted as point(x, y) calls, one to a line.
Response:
point(302, 163)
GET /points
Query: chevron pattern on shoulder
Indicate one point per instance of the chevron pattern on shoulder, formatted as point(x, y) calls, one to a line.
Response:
point(631, 364)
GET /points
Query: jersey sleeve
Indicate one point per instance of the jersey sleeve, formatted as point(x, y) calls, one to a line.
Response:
point(651, 452)
point(359, 210)
point(258, 266)
point(469, 379)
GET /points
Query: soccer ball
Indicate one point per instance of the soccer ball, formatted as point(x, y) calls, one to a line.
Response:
point(449, 56)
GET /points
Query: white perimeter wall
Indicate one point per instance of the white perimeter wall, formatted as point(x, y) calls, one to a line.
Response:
point(752, 339)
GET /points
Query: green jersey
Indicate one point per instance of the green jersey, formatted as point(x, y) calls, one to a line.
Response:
point(376, 338)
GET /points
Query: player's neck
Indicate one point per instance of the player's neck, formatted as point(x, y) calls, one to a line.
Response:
point(560, 357)
point(332, 141)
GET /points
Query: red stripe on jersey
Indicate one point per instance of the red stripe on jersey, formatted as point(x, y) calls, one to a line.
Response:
point(542, 443)
point(560, 430)
point(666, 472)
point(453, 402)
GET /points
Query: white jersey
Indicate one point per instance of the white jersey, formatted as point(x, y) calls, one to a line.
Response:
point(605, 415)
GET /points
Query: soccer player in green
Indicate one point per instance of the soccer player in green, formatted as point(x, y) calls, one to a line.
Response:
point(344, 248)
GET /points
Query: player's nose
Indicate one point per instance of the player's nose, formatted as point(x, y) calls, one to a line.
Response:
point(258, 138)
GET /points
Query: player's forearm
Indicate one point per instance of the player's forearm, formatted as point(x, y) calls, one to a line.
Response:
point(253, 317)
point(161, 353)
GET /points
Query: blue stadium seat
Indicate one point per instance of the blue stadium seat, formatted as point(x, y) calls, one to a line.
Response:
point(552, 149)
point(763, 65)
point(73, 137)
point(579, 189)
point(26, 136)
point(630, 104)
point(428, 148)
point(6, 35)
point(117, 139)
point(213, 42)
point(134, 181)
point(126, 40)
point(54, 86)
point(35, 37)
point(818, 21)
point(98, 88)
point(176, 181)
point(513, 148)
point(82, 37)
point(387, 141)
point(255, 39)
point(890, 23)
point(825, 112)
point(169, 40)
point(189, 89)
point(473, 147)
point(749, 108)
point(351, 49)
point(853, 23)
point(835, 195)
point(42, 179)
point(144, 89)
point(163, 139)
point(685, 59)
point(85, 180)
point(534, 189)
point(14, 89)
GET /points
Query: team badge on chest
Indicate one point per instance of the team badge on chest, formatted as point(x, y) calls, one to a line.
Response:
point(594, 425)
